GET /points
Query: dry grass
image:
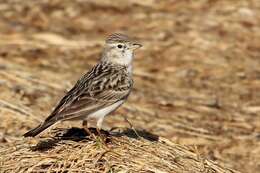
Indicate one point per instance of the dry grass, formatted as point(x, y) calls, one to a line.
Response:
point(125, 153)
point(197, 82)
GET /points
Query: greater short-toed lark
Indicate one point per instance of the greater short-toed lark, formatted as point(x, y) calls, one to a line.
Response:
point(101, 90)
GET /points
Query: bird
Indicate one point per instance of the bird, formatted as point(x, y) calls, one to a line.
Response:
point(101, 90)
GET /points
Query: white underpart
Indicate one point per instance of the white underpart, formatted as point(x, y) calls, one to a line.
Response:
point(100, 114)
point(130, 69)
point(127, 57)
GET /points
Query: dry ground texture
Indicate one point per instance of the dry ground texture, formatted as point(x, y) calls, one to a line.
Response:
point(197, 84)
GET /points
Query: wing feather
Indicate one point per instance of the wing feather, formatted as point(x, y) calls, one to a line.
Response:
point(103, 86)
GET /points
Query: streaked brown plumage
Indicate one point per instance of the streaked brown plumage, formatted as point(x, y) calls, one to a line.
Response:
point(100, 91)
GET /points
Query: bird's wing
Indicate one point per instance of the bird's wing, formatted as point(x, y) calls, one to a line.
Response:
point(101, 87)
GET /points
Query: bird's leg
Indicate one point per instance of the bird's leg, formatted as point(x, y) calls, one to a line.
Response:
point(102, 138)
point(85, 126)
point(99, 132)
point(99, 126)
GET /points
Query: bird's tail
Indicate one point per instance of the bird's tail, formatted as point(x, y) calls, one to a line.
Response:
point(38, 129)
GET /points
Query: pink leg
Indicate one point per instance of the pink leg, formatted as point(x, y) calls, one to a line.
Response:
point(99, 127)
point(85, 126)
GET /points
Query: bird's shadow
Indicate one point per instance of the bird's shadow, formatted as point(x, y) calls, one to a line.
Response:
point(136, 134)
point(80, 134)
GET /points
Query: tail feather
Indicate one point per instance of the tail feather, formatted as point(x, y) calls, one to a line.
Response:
point(38, 129)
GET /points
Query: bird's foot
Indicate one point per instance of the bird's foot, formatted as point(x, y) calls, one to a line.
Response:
point(90, 134)
point(103, 138)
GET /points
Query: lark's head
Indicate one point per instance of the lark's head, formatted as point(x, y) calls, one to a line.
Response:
point(119, 49)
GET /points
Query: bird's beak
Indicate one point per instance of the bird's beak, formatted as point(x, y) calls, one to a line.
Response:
point(136, 45)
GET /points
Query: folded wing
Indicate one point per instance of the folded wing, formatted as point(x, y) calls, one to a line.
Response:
point(101, 87)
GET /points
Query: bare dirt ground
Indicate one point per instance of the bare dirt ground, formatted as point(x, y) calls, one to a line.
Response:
point(197, 83)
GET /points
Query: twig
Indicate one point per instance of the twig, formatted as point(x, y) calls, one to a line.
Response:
point(131, 126)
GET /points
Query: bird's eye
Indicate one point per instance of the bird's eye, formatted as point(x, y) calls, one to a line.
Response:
point(120, 46)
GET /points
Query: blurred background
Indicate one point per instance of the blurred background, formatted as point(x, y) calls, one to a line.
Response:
point(197, 77)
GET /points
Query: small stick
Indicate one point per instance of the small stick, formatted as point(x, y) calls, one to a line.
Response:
point(131, 126)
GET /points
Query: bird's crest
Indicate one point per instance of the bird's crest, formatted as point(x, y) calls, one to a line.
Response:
point(117, 37)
